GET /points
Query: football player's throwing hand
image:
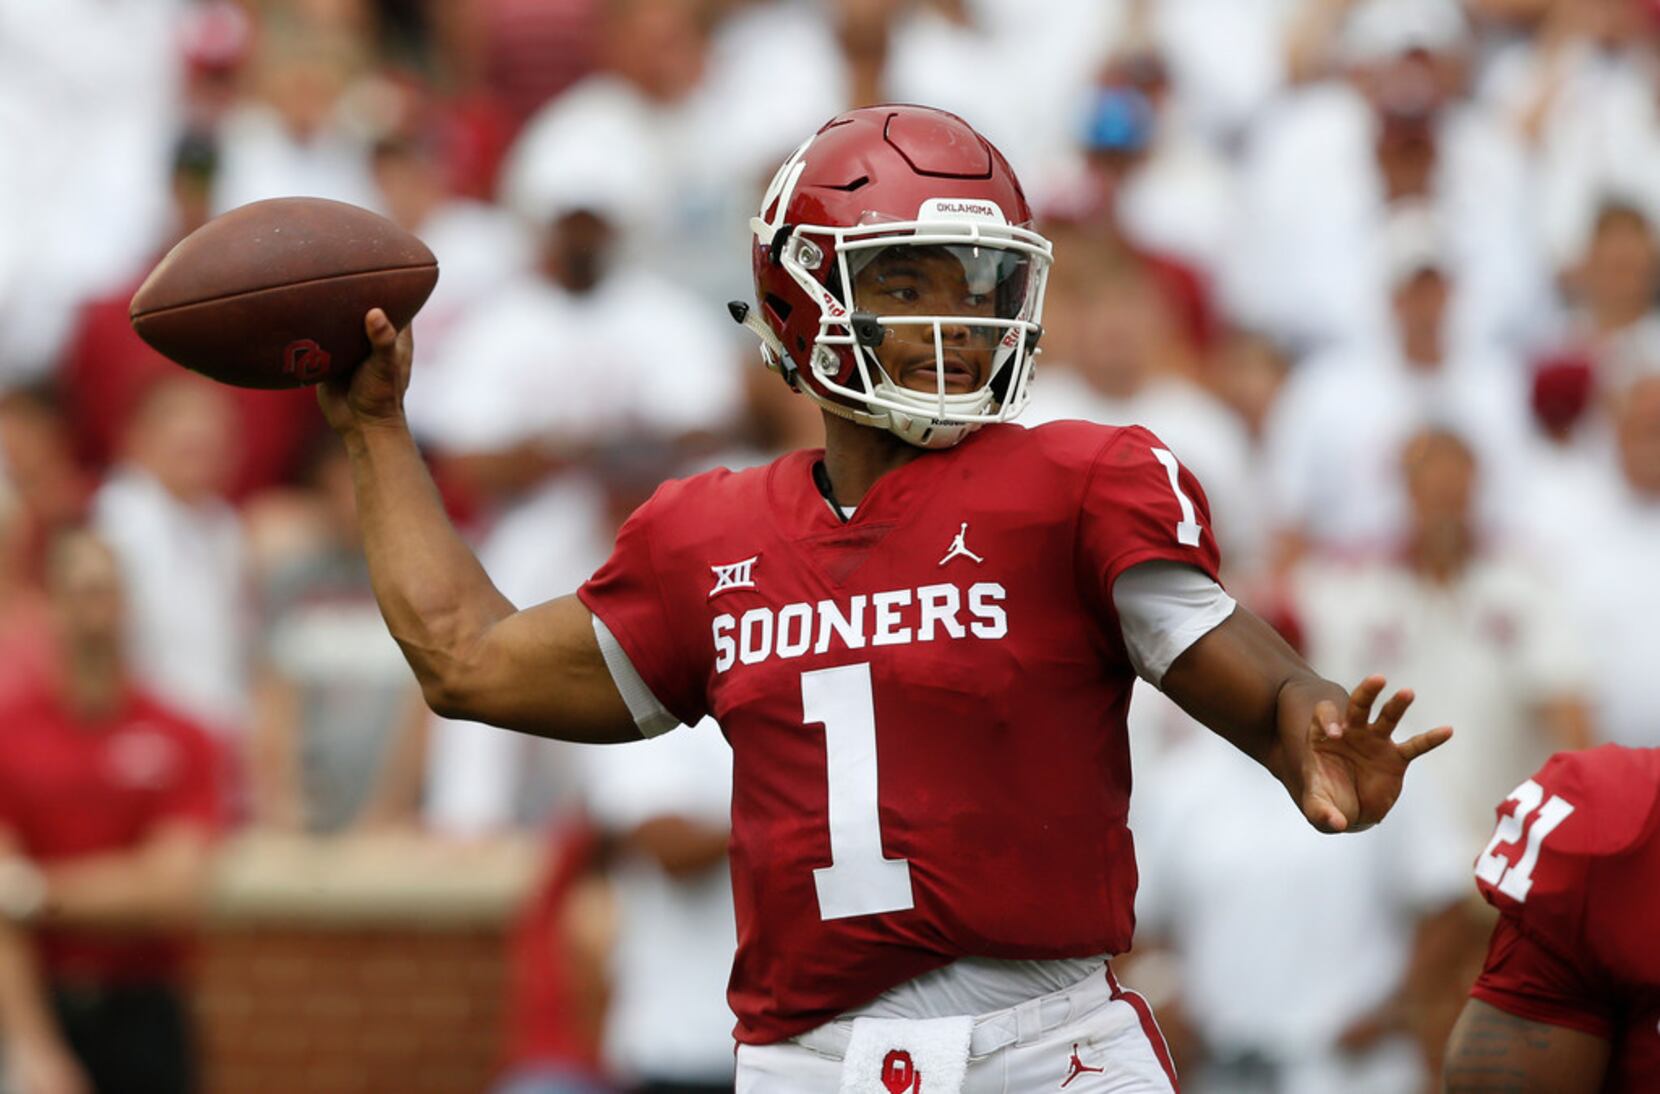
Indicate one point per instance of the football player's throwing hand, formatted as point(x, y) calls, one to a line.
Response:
point(1352, 766)
point(373, 392)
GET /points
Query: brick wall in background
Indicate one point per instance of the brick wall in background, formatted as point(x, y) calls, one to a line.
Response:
point(367, 965)
point(350, 1011)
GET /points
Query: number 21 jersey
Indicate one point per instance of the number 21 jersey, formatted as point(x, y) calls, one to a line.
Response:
point(925, 702)
point(1574, 870)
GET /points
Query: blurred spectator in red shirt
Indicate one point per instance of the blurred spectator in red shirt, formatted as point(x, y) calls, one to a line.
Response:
point(38, 456)
point(107, 367)
point(558, 990)
point(107, 805)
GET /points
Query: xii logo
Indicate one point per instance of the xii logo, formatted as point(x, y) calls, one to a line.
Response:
point(734, 575)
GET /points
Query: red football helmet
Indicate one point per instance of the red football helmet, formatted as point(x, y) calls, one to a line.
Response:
point(900, 226)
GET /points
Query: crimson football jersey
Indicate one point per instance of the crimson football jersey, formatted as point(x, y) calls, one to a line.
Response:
point(1574, 870)
point(926, 703)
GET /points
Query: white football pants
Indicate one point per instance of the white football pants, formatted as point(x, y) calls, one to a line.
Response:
point(1091, 1038)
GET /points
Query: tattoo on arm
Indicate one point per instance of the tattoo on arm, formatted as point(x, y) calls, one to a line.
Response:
point(1493, 1052)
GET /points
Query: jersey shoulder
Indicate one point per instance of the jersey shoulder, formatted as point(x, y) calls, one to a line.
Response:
point(1579, 826)
point(1077, 455)
point(1614, 791)
point(1079, 444)
point(714, 513)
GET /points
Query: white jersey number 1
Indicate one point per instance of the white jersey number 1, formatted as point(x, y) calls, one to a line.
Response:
point(1187, 529)
point(859, 880)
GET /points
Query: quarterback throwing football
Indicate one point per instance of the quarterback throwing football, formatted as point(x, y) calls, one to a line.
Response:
point(920, 643)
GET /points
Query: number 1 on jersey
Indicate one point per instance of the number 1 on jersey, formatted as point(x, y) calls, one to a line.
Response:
point(859, 880)
point(1187, 529)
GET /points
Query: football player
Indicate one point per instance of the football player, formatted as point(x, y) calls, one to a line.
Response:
point(1569, 1000)
point(919, 641)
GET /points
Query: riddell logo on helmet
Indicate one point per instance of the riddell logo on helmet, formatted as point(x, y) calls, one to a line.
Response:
point(961, 209)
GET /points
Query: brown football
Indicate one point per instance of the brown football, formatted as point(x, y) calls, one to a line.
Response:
point(273, 294)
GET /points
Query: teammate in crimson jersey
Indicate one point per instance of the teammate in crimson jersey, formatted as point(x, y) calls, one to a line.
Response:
point(1569, 1000)
point(919, 641)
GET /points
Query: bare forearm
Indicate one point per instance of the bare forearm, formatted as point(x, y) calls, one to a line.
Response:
point(24, 1015)
point(1492, 1052)
point(273, 753)
point(436, 598)
point(1303, 691)
point(1249, 686)
point(145, 890)
point(679, 845)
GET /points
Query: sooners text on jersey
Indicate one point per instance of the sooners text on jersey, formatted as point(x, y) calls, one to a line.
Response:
point(925, 703)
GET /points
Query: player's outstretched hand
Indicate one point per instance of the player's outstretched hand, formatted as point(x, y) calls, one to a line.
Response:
point(1353, 766)
point(373, 392)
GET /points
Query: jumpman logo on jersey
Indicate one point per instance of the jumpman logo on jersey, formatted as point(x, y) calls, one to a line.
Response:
point(959, 548)
point(1077, 1067)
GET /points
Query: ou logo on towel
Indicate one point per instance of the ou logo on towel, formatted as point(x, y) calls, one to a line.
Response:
point(899, 1074)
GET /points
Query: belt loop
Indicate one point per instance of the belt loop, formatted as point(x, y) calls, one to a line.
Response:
point(1028, 1022)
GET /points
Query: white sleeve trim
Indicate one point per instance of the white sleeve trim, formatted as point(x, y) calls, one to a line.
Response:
point(1163, 608)
point(651, 716)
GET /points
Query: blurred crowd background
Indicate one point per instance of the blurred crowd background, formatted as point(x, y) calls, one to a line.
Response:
point(1383, 273)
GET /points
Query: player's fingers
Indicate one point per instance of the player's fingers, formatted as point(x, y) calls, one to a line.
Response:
point(1326, 720)
point(1361, 699)
point(1424, 742)
point(1325, 816)
point(1390, 716)
point(383, 336)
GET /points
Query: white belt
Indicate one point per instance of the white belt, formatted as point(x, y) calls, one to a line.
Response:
point(1016, 1025)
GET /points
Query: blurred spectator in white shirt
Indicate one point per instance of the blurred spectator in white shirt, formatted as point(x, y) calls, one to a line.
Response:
point(181, 551)
point(292, 136)
point(1285, 961)
point(1610, 292)
point(677, 128)
point(1172, 193)
point(1114, 354)
point(1482, 636)
point(481, 248)
point(1580, 93)
point(665, 807)
point(1227, 60)
point(88, 107)
point(1337, 431)
point(1327, 165)
point(337, 713)
point(1605, 550)
point(583, 350)
point(584, 360)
